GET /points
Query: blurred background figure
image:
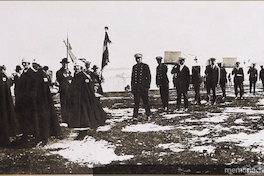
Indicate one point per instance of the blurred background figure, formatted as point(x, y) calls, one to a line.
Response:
point(253, 76)
point(261, 76)
point(196, 81)
point(238, 80)
point(98, 79)
point(223, 80)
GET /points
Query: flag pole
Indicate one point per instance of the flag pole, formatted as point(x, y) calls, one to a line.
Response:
point(67, 45)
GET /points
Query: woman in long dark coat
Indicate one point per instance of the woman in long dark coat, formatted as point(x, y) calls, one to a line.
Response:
point(85, 109)
point(8, 121)
point(48, 119)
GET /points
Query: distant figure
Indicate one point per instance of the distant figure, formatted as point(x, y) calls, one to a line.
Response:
point(140, 84)
point(238, 80)
point(162, 82)
point(261, 75)
point(229, 79)
point(8, 119)
point(196, 81)
point(182, 83)
point(223, 80)
point(212, 73)
point(174, 75)
point(127, 88)
point(63, 76)
point(16, 77)
point(97, 80)
point(253, 76)
point(48, 74)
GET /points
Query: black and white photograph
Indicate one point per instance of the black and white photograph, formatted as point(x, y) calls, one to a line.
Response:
point(131, 87)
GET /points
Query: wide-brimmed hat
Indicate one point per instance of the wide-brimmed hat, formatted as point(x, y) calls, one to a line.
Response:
point(64, 60)
point(212, 59)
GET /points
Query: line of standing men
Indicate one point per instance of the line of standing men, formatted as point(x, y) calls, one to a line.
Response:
point(214, 75)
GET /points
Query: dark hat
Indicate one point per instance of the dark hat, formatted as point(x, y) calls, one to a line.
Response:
point(45, 68)
point(237, 62)
point(219, 64)
point(94, 67)
point(212, 59)
point(18, 68)
point(64, 60)
point(181, 58)
point(138, 55)
point(159, 58)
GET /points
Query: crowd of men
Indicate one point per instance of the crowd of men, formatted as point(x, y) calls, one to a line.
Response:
point(32, 116)
point(215, 74)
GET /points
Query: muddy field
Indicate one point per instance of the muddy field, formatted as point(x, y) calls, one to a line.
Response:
point(206, 139)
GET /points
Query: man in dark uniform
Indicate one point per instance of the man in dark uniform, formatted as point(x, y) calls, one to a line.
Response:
point(196, 81)
point(261, 75)
point(253, 76)
point(140, 84)
point(212, 74)
point(223, 79)
point(162, 82)
point(238, 80)
point(63, 76)
point(182, 82)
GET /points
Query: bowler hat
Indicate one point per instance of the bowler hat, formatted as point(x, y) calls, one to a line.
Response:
point(18, 68)
point(138, 55)
point(237, 62)
point(159, 58)
point(212, 59)
point(64, 60)
point(94, 67)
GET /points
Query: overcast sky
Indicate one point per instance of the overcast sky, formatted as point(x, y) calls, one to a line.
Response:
point(204, 29)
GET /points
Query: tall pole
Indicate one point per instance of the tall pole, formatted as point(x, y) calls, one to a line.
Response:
point(67, 45)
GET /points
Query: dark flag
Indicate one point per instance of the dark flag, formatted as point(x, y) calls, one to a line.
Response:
point(105, 58)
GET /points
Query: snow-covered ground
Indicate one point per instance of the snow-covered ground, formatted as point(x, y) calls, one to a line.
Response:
point(202, 134)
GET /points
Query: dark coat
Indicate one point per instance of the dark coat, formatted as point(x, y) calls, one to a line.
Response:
point(212, 75)
point(238, 75)
point(182, 79)
point(48, 119)
point(140, 77)
point(261, 74)
point(161, 74)
point(196, 76)
point(97, 81)
point(26, 104)
point(85, 109)
point(253, 74)
point(223, 79)
point(8, 121)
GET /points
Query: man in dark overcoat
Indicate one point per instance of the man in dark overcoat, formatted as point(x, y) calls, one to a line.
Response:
point(212, 73)
point(162, 82)
point(253, 76)
point(223, 80)
point(182, 82)
point(63, 76)
point(140, 84)
point(238, 80)
point(196, 81)
point(261, 75)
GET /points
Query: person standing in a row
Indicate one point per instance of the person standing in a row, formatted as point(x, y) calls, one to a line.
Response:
point(212, 74)
point(140, 84)
point(63, 76)
point(261, 76)
point(238, 80)
point(223, 80)
point(9, 126)
point(162, 82)
point(85, 109)
point(182, 82)
point(196, 81)
point(97, 78)
point(253, 76)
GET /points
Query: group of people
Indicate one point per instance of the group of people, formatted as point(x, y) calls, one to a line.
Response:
point(32, 115)
point(215, 74)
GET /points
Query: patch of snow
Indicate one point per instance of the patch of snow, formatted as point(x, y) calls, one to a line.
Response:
point(87, 152)
point(217, 117)
point(175, 147)
point(238, 121)
point(200, 133)
point(147, 127)
point(114, 98)
point(261, 102)
point(104, 128)
point(203, 149)
point(171, 116)
point(246, 110)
